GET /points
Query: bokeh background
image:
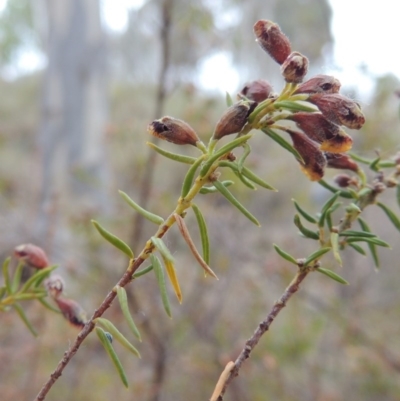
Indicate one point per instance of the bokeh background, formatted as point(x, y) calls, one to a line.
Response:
point(77, 90)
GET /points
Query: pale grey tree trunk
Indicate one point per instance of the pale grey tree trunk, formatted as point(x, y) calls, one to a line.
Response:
point(74, 106)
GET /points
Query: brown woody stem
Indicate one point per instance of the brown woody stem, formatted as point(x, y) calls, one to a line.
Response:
point(251, 343)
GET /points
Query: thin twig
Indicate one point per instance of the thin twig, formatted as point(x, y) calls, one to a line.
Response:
point(251, 343)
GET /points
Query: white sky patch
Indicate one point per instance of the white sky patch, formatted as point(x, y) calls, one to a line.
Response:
point(366, 41)
point(217, 73)
point(115, 12)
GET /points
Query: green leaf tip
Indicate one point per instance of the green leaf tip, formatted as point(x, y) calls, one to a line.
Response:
point(105, 341)
point(113, 240)
point(332, 275)
point(149, 216)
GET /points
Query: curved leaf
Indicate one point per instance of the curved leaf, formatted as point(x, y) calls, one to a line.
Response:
point(112, 354)
point(316, 255)
point(283, 142)
point(390, 214)
point(188, 181)
point(123, 303)
point(117, 335)
point(149, 216)
point(113, 240)
point(332, 275)
point(229, 196)
point(142, 272)
point(205, 243)
point(285, 255)
point(161, 283)
point(305, 231)
point(172, 156)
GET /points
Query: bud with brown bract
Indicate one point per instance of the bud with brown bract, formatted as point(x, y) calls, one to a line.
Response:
point(234, 119)
point(295, 68)
point(32, 256)
point(343, 180)
point(331, 136)
point(272, 40)
point(173, 130)
point(72, 311)
point(341, 161)
point(258, 90)
point(319, 84)
point(313, 159)
point(55, 286)
point(339, 109)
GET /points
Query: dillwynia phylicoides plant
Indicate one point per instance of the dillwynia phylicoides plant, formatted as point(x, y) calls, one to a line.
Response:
point(313, 115)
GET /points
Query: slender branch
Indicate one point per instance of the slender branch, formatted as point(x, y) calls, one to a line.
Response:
point(251, 343)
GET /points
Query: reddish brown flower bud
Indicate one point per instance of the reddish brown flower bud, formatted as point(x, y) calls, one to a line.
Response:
point(343, 180)
point(339, 109)
point(31, 255)
point(340, 161)
point(314, 160)
point(295, 68)
point(72, 311)
point(55, 286)
point(234, 119)
point(258, 90)
point(272, 40)
point(320, 84)
point(331, 136)
point(173, 130)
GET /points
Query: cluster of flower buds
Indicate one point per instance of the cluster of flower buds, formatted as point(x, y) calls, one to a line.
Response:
point(322, 141)
point(35, 257)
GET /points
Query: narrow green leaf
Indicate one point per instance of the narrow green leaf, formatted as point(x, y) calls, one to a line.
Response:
point(6, 275)
point(222, 151)
point(316, 255)
point(398, 194)
point(212, 189)
point(374, 164)
point(293, 106)
point(158, 270)
point(229, 196)
point(256, 179)
point(172, 156)
point(16, 281)
point(117, 335)
point(160, 245)
point(228, 99)
point(284, 143)
point(332, 275)
point(205, 243)
point(387, 164)
point(372, 248)
point(343, 194)
point(353, 233)
point(245, 181)
point(113, 240)
point(142, 272)
point(360, 159)
point(325, 208)
point(123, 302)
point(29, 296)
point(149, 216)
point(335, 247)
point(3, 291)
point(242, 159)
point(375, 241)
point(303, 213)
point(112, 354)
point(39, 276)
point(24, 318)
point(390, 214)
point(358, 249)
point(188, 181)
point(248, 174)
point(285, 255)
point(305, 231)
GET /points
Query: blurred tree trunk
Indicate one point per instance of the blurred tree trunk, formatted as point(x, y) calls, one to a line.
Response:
point(74, 105)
